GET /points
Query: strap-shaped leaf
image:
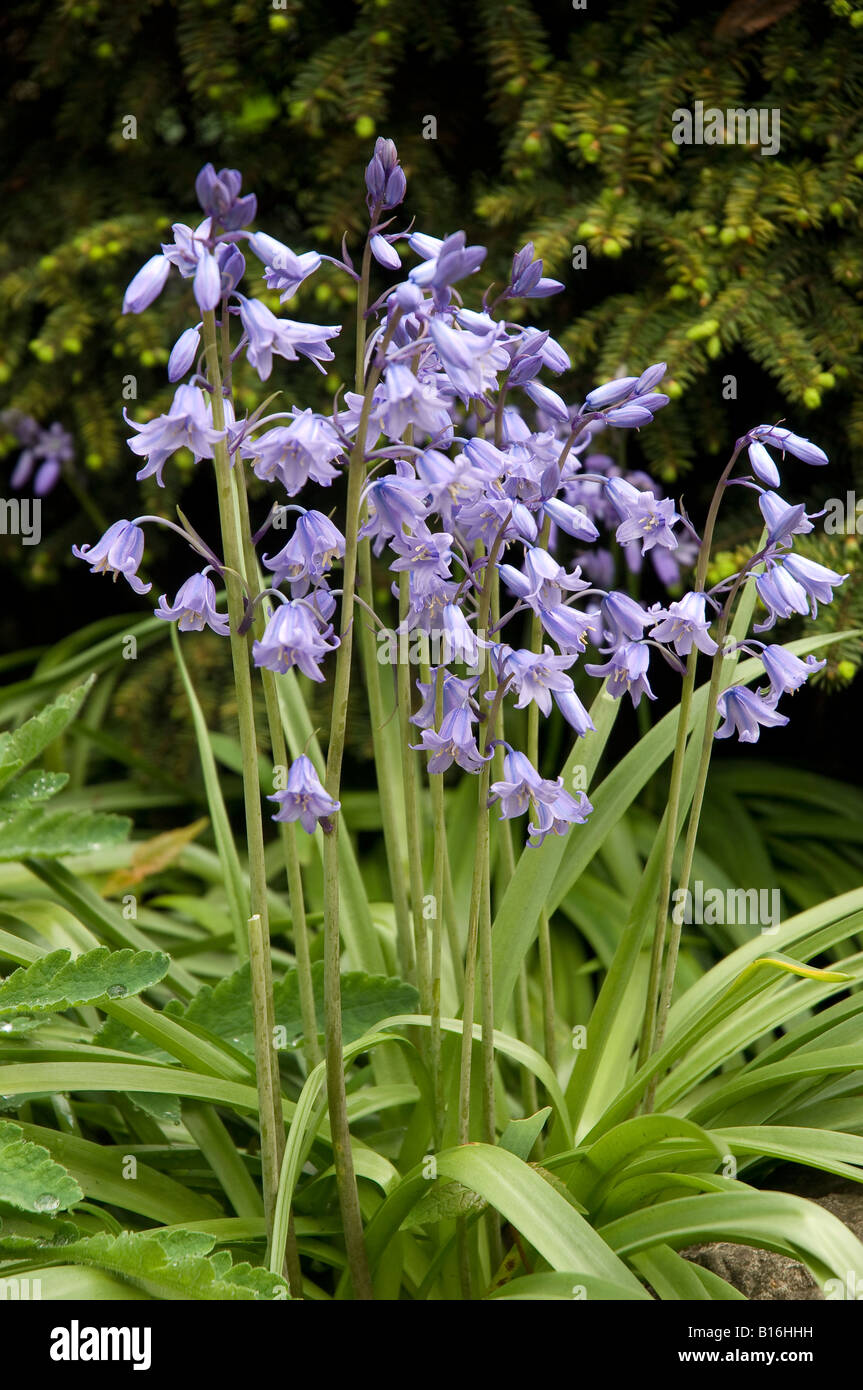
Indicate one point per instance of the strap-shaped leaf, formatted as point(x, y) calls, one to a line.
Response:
point(58, 982)
point(29, 1177)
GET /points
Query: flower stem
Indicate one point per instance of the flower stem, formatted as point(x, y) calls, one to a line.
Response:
point(346, 1182)
point(657, 1014)
point(271, 1120)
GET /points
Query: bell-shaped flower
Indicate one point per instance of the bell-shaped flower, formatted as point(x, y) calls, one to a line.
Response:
point(188, 424)
point(294, 637)
point(743, 712)
point(119, 551)
point(194, 608)
point(304, 798)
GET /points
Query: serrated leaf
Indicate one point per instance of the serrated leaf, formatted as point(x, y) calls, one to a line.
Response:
point(38, 785)
point(175, 1272)
point(19, 747)
point(29, 1177)
point(226, 1008)
point(35, 833)
point(57, 981)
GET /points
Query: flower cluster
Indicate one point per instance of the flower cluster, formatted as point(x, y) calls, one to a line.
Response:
point(485, 490)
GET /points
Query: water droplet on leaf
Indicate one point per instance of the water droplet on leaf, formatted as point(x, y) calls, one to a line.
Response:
point(46, 1202)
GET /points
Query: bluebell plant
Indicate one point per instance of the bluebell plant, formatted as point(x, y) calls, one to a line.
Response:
point(459, 466)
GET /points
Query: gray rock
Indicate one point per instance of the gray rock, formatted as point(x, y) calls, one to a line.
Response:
point(761, 1275)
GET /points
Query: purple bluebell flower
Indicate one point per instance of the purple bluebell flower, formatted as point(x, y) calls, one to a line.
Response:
point(781, 595)
point(782, 519)
point(309, 554)
point(817, 580)
point(147, 284)
point(543, 581)
point(574, 711)
point(445, 263)
point(385, 180)
point(522, 787)
point(743, 713)
point(44, 454)
point(219, 196)
point(293, 637)
point(573, 520)
point(460, 641)
point(232, 266)
point(471, 361)
point(458, 693)
point(649, 521)
point(425, 556)
point(554, 357)
point(521, 784)
point(611, 393)
point(268, 334)
point(790, 443)
point(762, 464)
point(555, 816)
point(548, 401)
point(526, 279)
point(454, 743)
point(395, 502)
point(284, 270)
point(119, 551)
point(649, 378)
point(385, 253)
point(630, 416)
point(683, 623)
point(408, 402)
point(626, 672)
point(304, 798)
point(785, 671)
point(296, 452)
point(570, 629)
point(189, 424)
point(184, 353)
point(624, 618)
point(194, 608)
point(533, 676)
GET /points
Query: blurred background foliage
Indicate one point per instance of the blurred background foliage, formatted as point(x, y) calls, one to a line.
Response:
point(515, 120)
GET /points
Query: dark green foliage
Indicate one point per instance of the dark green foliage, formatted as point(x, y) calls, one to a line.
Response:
point(553, 123)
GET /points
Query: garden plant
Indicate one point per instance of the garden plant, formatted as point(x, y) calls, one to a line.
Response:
point(471, 1031)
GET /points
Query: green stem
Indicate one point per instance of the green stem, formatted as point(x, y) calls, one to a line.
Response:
point(287, 831)
point(673, 950)
point(346, 1182)
point(271, 1121)
point(412, 812)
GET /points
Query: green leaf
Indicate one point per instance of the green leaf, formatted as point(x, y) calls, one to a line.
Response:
point(566, 1288)
point(522, 1196)
point(520, 1136)
point(51, 835)
point(772, 1220)
point(171, 1266)
point(58, 982)
point(29, 1177)
point(29, 787)
point(225, 1009)
point(677, 1279)
point(98, 1168)
point(20, 746)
